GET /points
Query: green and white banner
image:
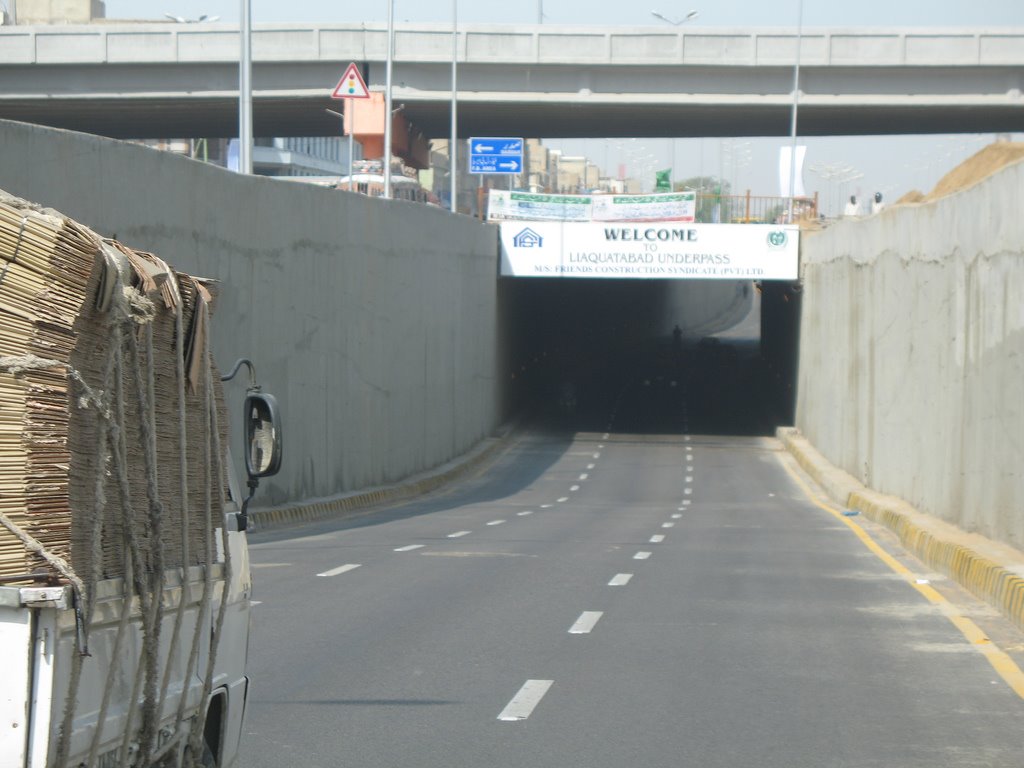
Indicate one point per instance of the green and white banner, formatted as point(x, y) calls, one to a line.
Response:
point(528, 206)
point(662, 250)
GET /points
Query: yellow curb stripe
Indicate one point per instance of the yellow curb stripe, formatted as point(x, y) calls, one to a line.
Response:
point(998, 659)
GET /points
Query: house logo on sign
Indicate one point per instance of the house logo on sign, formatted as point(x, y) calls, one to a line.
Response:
point(527, 238)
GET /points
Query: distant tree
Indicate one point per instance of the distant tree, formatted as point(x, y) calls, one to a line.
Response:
point(712, 194)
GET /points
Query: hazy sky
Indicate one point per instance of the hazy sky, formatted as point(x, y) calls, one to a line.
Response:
point(831, 13)
point(892, 165)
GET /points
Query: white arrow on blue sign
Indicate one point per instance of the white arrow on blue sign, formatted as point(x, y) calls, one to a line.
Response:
point(491, 154)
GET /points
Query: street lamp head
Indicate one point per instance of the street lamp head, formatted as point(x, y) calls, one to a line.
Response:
point(690, 16)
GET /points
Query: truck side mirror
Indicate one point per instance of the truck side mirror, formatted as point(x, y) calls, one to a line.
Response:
point(262, 435)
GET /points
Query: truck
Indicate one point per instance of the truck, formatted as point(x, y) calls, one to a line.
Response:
point(125, 585)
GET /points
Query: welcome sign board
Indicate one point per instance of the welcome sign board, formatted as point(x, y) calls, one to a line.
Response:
point(666, 250)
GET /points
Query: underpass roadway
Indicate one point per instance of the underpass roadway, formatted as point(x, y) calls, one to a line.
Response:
point(656, 589)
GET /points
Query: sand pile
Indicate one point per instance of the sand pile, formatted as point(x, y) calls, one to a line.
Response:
point(979, 166)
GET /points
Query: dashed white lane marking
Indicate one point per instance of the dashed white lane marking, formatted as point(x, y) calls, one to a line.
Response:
point(686, 502)
point(459, 534)
point(573, 488)
point(591, 466)
point(585, 623)
point(689, 467)
point(563, 499)
point(668, 525)
point(597, 455)
point(657, 538)
point(340, 569)
point(524, 513)
point(584, 476)
point(496, 522)
point(546, 506)
point(255, 602)
point(410, 548)
point(620, 580)
point(686, 439)
point(601, 446)
point(642, 556)
point(688, 491)
point(524, 702)
point(606, 434)
point(689, 478)
point(677, 516)
point(688, 448)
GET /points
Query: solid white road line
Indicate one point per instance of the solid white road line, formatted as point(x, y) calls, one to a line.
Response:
point(657, 538)
point(524, 702)
point(410, 548)
point(620, 580)
point(641, 555)
point(585, 622)
point(340, 569)
point(459, 534)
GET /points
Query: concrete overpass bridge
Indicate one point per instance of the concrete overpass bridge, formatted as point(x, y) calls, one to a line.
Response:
point(167, 80)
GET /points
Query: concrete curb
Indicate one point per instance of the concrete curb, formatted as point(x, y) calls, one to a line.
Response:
point(990, 570)
point(349, 504)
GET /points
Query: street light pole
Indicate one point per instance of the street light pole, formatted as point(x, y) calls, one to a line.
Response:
point(796, 104)
point(388, 117)
point(453, 145)
point(245, 92)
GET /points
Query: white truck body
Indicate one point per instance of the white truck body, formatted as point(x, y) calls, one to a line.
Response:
point(38, 640)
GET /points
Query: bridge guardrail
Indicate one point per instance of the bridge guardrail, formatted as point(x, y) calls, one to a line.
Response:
point(754, 209)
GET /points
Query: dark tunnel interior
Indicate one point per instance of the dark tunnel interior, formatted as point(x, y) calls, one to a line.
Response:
point(599, 356)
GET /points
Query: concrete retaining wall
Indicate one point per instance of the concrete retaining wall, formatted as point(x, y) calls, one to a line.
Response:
point(912, 353)
point(374, 322)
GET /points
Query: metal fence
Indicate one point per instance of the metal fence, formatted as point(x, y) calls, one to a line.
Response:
point(755, 209)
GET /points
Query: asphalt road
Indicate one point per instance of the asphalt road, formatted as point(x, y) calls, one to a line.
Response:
point(612, 599)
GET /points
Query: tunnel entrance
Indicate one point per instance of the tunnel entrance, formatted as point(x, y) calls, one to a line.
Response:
point(651, 357)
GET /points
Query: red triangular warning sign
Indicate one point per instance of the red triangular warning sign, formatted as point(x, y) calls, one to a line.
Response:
point(351, 85)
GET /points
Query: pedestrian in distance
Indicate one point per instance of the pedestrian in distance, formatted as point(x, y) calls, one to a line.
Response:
point(852, 207)
point(877, 205)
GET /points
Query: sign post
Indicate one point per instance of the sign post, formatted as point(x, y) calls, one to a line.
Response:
point(351, 86)
point(496, 155)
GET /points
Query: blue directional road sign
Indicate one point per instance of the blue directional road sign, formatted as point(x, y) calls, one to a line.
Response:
point(495, 155)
